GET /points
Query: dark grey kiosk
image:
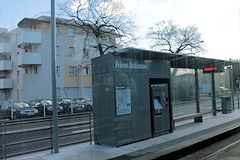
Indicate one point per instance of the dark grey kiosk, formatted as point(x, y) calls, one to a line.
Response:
point(131, 99)
point(131, 94)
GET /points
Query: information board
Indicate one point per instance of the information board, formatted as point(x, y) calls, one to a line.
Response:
point(123, 100)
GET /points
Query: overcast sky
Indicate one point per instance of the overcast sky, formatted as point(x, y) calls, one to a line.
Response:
point(217, 20)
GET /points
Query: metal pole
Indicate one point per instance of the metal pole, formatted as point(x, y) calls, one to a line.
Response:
point(90, 127)
point(54, 98)
point(232, 85)
point(238, 98)
point(3, 141)
point(197, 91)
point(12, 111)
point(71, 107)
point(44, 110)
point(214, 108)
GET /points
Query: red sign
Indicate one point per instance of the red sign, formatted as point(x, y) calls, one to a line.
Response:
point(213, 69)
point(210, 69)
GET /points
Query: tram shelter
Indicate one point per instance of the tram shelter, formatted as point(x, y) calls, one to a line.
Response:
point(132, 96)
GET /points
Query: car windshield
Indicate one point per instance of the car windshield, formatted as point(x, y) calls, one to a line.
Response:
point(46, 102)
point(18, 105)
point(79, 101)
point(25, 104)
point(66, 101)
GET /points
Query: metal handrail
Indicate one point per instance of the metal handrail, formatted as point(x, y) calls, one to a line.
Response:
point(86, 129)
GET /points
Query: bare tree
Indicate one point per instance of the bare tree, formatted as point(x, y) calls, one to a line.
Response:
point(105, 20)
point(170, 37)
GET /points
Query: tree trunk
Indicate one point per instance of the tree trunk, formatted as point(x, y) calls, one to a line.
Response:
point(100, 49)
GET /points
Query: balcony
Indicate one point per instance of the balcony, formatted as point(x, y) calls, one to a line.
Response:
point(29, 38)
point(6, 65)
point(6, 83)
point(6, 48)
point(26, 59)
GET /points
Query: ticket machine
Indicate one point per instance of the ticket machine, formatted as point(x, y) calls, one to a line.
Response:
point(159, 102)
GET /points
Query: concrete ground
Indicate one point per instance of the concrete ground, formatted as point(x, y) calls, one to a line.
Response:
point(186, 134)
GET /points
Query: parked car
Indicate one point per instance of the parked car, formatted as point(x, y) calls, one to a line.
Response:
point(87, 102)
point(65, 103)
point(77, 107)
point(19, 109)
point(39, 104)
point(69, 104)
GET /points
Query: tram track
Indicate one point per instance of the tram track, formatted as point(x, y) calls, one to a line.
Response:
point(216, 149)
point(230, 146)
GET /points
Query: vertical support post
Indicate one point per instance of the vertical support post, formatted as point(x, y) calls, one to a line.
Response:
point(54, 98)
point(3, 141)
point(238, 98)
point(90, 127)
point(44, 110)
point(197, 90)
point(232, 85)
point(51, 131)
point(71, 107)
point(12, 116)
point(214, 108)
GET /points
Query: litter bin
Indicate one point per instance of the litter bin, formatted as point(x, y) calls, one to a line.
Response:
point(226, 104)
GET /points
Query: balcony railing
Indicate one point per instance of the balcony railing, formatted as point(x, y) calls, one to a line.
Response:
point(26, 59)
point(6, 83)
point(29, 38)
point(6, 48)
point(6, 65)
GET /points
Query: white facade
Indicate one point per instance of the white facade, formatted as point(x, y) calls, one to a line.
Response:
point(6, 65)
point(6, 83)
point(30, 51)
point(6, 48)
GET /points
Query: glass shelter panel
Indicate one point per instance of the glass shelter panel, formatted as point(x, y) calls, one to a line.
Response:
point(183, 92)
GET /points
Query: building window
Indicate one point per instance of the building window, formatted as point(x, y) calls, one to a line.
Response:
point(71, 32)
point(71, 51)
point(57, 51)
point(86, 52)
point(58, 70)
point(87, 71)
point(35, 70)
point(72, 70)
point(33, 28)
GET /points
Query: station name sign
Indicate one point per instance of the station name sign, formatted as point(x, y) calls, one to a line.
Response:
point(130, 65)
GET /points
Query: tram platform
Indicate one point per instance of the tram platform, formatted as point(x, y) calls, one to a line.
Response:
point(187, 137)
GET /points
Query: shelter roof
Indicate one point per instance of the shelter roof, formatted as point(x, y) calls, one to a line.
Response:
point(176, 60)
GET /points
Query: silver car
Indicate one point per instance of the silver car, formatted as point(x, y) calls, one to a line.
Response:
point(19, 109)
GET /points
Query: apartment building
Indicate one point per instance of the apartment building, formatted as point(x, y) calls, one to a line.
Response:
point(25, 60)
point(6, 65)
